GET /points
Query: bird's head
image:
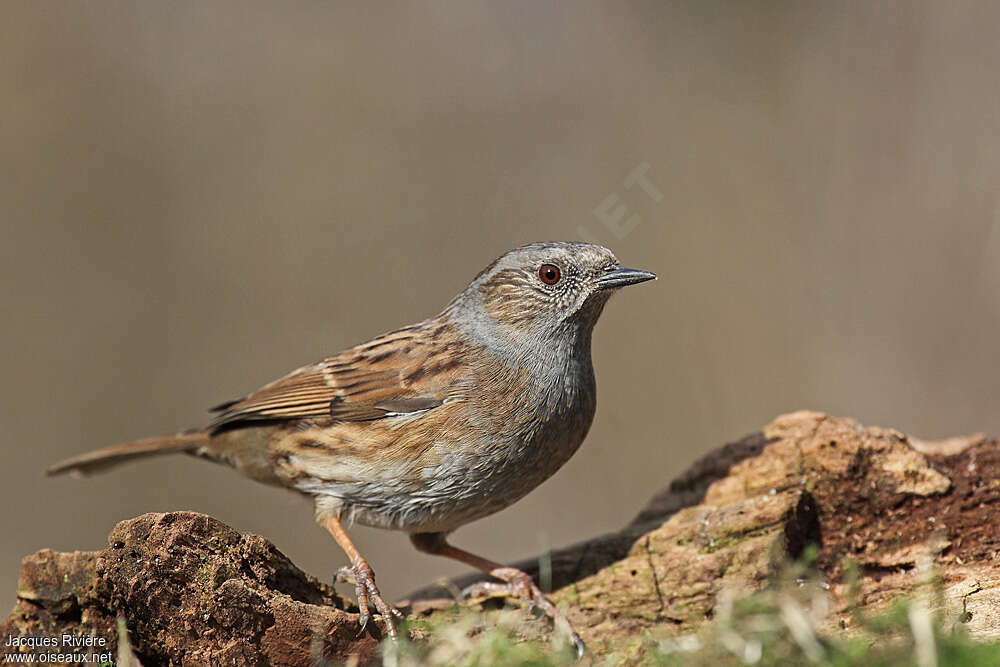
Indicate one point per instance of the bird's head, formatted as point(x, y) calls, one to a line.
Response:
point(546, 288)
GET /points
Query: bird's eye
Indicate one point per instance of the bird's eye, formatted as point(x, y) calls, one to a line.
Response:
point(549, 274)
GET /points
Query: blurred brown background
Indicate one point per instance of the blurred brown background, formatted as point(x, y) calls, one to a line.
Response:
point(197, 197)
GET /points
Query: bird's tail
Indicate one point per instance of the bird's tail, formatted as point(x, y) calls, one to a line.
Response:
point(101, 459)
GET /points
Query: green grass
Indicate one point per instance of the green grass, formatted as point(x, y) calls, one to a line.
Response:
point(774, 628)
point(787, 623)
point(766, 629)
point(467, 637)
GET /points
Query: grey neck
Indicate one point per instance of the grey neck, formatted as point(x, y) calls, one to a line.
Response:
point(545, 346)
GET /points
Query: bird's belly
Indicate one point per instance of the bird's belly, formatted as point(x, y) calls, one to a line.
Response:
point(451, 485)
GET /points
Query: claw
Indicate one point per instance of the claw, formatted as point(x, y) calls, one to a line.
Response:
point(519, 586)
point(363, 622)
point(368, 595)
point(487, 590)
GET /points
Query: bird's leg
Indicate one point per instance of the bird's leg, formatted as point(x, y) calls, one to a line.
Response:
point(517, 584)
point(361, 574)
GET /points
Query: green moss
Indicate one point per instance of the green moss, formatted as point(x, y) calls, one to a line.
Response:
point(730, 539)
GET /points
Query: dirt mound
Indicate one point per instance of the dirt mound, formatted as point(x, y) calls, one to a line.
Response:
point(191, 591)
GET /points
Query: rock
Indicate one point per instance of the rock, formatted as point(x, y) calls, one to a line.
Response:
point(191, 591)
point(194, 591)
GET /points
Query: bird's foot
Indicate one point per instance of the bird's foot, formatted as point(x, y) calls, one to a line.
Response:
point(363, 578)
point(520, 586)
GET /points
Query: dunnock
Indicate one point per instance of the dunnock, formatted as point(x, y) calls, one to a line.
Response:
point(434, 425)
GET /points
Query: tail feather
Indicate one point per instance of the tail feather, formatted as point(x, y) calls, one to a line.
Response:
point(101, 459)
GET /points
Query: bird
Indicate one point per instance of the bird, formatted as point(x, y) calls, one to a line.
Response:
point(429, 427)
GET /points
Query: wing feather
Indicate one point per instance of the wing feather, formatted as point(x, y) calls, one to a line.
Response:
point(408, 370)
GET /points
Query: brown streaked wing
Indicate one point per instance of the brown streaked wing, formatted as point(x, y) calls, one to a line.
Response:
point(405, 371)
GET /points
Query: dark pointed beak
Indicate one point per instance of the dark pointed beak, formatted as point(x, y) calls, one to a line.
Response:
point(620, 276)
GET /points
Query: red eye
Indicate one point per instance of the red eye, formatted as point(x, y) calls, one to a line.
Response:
point(549, 274)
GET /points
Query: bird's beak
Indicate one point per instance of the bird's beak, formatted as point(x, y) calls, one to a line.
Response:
point(619, 276)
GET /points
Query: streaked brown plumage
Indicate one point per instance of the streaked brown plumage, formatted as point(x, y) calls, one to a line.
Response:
point(431, 426)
